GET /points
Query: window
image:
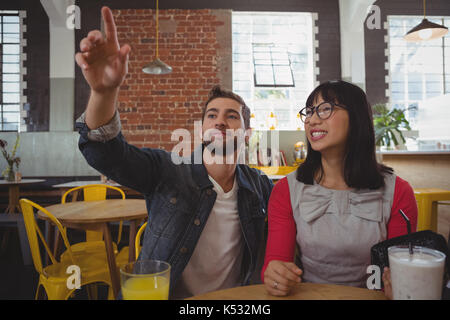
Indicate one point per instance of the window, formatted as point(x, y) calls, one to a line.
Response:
point(10, 62)
point(273, 65)
point(419, 81)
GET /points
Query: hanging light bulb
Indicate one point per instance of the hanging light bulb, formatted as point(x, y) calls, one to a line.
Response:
point(426, 30)
point(157, 66)
point(425, 34)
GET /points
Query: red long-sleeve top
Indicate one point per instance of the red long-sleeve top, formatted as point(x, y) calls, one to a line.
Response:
point(282, 230)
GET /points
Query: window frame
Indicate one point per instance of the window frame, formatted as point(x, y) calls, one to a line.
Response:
point(272, 65)
point(284, 101)
point(407, 102)
point(10, 13)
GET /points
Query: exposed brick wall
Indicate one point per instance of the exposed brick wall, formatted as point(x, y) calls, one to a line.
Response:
point(152, 106)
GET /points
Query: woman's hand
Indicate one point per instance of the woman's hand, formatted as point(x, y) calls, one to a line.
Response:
point(387, 283)
point(280, 277)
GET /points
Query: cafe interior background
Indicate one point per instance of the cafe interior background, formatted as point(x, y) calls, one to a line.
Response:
point(272, 53)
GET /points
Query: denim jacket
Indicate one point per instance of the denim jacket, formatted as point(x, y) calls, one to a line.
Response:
point(179, 198)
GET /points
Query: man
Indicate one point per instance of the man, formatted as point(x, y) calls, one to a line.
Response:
point(206, 219)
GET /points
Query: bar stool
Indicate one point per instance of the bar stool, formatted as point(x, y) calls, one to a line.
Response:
point(427, 201)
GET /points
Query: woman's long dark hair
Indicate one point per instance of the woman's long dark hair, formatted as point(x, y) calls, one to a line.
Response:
point(361, 170)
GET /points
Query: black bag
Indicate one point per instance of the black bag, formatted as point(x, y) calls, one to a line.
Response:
point(427, 238)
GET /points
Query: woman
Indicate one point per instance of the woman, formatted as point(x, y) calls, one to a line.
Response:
point(340, 201)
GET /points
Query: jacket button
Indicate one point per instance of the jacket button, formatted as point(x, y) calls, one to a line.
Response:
point(209, 192)
point(183, 250)
point(173, 200)
point(197, 222)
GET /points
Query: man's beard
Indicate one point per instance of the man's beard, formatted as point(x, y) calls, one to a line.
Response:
point(223, 147)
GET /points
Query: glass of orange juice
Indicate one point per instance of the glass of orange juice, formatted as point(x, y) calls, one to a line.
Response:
point(145, 280)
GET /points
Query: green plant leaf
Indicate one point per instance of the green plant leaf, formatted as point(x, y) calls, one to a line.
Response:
point(386, 122)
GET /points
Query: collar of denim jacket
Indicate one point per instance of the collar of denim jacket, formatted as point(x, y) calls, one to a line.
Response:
point(243, 179)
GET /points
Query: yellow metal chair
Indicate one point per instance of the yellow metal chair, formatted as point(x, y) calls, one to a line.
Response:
point(427, 202)
point(122, 257)
point(138, 239)
point(94, 240)
point(54, 278)
point(94, 243)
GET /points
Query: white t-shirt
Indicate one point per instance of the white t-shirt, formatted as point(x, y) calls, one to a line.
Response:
point(216, 261)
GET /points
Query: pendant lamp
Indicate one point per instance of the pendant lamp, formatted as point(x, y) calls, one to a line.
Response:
point(157, 66)
point(426, 30)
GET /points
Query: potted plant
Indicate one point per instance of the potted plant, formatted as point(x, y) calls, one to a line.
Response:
point(11, 159)
point(388, 124)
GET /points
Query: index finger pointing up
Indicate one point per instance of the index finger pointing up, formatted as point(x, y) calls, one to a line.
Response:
point(110, 25)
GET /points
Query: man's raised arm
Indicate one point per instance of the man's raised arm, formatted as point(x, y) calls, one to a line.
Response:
point(104, 65)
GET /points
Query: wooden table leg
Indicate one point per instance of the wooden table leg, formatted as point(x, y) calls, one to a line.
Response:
point(13, 204)
point(50, 238)
point(75, 196)
point(57, 245)
point(132, 239)
point(13, 208)
point(115, 278)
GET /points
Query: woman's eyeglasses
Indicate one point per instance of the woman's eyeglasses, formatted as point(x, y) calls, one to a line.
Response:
point(323, 110)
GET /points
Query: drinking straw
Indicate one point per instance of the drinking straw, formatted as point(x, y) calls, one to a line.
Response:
point(408, 226)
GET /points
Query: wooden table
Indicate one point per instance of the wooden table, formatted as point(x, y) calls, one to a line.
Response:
point(64, 187)
point(303, 291)
point(95, 216)
point(14, 192)
point(73, 184)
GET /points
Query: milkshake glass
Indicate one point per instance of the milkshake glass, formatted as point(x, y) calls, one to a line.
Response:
point(418, 276)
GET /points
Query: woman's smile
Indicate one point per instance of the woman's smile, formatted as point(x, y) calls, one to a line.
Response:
point(317, 134)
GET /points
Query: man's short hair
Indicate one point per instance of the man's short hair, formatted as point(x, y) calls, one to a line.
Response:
point(218, 92)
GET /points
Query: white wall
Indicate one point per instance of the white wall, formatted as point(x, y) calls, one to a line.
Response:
point(352, 15)
point(62, 67)
point(48, 154)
